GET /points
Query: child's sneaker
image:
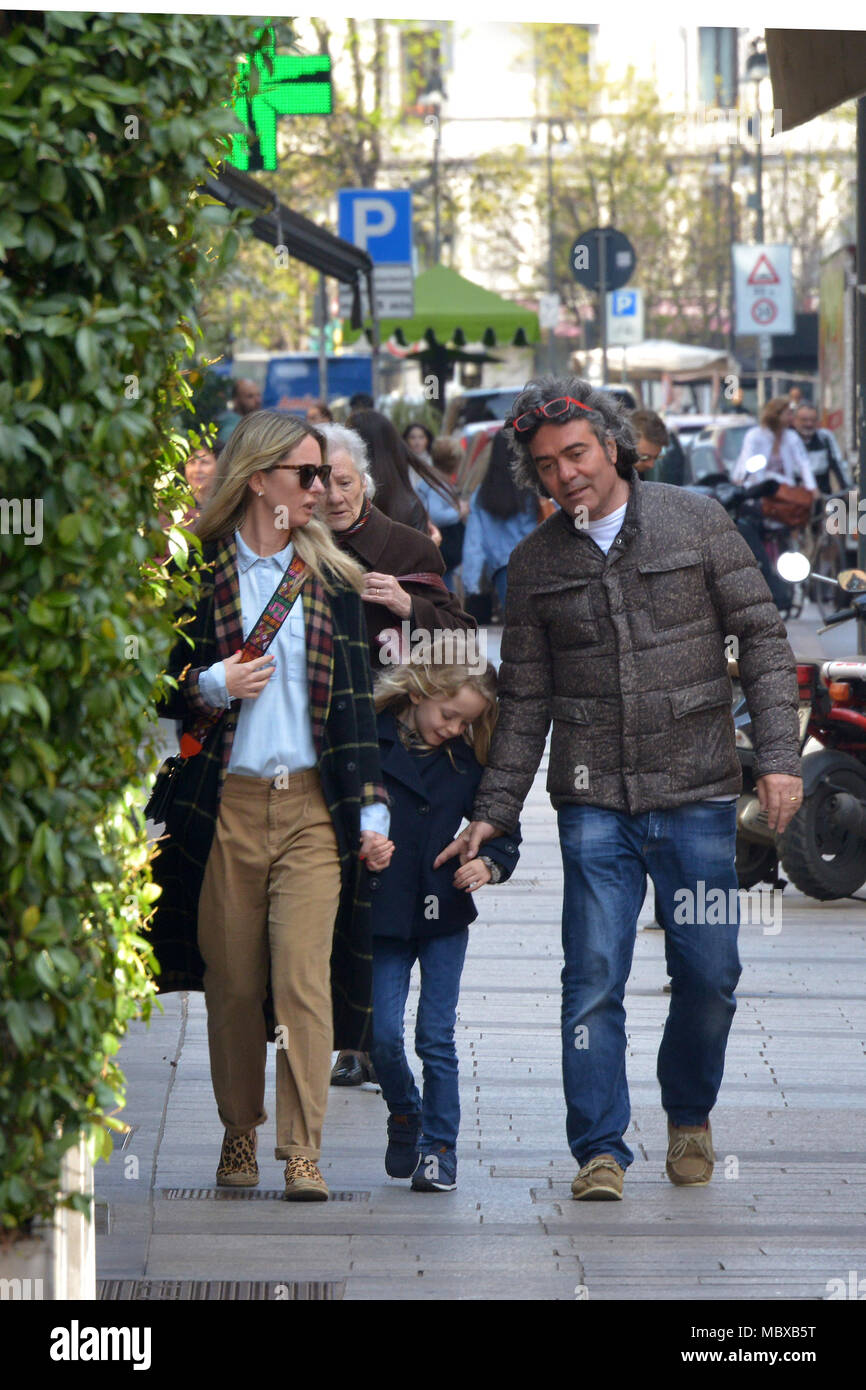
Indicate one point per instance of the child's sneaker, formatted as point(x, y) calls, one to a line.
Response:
point(402, 1154)
point(436, 1171)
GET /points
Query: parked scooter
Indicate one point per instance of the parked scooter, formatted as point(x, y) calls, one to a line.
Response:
point(823, 849)
point(742, 502)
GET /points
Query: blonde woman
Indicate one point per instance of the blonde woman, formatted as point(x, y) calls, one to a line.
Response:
point(779, 445)
point(435, 724)
point(260, 867)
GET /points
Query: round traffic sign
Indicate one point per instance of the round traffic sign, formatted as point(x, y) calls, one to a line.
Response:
point(764, 311)
point(585, 259)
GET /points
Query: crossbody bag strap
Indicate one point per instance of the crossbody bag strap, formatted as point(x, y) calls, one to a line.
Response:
point(264, 631)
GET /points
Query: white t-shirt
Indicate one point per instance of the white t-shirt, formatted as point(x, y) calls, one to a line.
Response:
point(605, 531)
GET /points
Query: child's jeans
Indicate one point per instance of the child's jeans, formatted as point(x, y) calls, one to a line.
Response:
point(441, 960)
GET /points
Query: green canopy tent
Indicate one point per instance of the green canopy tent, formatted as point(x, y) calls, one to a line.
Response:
point(450, 312)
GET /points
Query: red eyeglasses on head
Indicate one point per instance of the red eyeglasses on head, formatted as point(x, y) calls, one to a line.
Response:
point(549, 412)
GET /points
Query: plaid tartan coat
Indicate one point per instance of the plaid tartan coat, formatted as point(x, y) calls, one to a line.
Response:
point(347, 749)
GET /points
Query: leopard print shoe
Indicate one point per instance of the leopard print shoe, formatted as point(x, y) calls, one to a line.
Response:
point(304, 1182)
point(237, 1165)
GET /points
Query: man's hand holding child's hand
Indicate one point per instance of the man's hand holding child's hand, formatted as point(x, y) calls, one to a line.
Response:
point(472, 875)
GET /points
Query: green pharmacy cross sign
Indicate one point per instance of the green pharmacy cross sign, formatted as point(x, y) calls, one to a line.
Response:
point(269, 85)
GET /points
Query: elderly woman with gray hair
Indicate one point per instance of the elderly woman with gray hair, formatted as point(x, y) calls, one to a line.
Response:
point(402, 584)
point(404, 567)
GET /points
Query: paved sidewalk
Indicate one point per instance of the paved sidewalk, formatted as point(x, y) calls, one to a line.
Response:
point(785, 1213)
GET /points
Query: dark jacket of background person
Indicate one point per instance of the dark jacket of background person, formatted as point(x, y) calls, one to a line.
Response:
point(390, 548)
point(501, 515)
point(823, 449)
point(429, 799)
point(347, 783)
point(670, 466)
point(390, 462)
point(626, 653)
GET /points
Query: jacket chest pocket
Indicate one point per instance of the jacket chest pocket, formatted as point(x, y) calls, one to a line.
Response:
point(674, 586)
point(565, 609)
point(297, 647)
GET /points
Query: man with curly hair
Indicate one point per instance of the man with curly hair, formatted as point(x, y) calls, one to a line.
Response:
point(620, 611)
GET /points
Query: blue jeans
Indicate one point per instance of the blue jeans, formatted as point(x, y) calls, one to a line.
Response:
point(441, 960)
point(688, 851)
point(499, 580)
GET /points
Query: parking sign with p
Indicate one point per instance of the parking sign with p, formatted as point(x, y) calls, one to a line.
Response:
point(379, 221)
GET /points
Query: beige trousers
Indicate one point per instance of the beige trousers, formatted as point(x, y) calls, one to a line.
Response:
point(269, 898)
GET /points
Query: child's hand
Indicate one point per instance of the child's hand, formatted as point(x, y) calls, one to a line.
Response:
point(376, 849)
point(472, 875)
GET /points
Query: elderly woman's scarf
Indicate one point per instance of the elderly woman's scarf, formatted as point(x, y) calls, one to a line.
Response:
point(358, 524)
point(434, 581)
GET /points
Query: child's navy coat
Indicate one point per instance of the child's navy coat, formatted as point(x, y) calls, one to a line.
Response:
point(429, 799)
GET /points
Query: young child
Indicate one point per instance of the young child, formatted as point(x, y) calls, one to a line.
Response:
point(435, 724)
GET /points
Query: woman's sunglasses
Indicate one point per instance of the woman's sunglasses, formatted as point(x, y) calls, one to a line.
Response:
point(308, 472)
point(549, 411)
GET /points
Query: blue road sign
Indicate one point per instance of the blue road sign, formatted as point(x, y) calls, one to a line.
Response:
point(624, 304)
point(379, 221)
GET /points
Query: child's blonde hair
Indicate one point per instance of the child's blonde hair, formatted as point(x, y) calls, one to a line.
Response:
point(433, 682)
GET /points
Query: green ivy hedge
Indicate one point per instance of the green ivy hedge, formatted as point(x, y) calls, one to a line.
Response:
point(108, 122)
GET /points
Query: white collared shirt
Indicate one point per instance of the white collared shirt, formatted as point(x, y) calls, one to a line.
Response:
point(274, 733)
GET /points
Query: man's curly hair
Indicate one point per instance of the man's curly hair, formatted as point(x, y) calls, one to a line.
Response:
point(604, 415)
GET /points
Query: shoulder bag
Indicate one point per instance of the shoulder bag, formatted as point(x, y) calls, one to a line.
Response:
point(192, 741)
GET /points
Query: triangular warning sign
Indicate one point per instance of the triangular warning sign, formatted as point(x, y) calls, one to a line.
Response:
point(763, 273)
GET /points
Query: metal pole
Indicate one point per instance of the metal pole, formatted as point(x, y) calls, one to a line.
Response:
point(759, 170)
point(436, 227)
point(602, 298)
point(732, 217)
point(374, 352)
point(860, 344)
point(323, 346)
point(551, 282)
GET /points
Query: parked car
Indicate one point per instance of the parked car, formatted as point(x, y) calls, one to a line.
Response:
point(622, 394)
point(479, 406)
point(715, 448)
point(686, 426)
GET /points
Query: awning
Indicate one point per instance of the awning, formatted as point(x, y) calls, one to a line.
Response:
point(656, 357)
point(277, 225)
point(450, 309)
point(813, 70)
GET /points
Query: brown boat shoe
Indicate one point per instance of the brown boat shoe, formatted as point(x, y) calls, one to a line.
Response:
point(237, 1165)
point(304, 1182)
point(690, 1157)
point(599, 1180)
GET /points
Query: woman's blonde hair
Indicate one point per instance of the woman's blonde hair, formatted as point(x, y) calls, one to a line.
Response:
point(771, 415)
point(433, 682)
point(261, 440)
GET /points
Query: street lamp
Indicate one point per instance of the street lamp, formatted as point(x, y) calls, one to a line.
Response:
point(431, 105)
point(550, 121)
point(757, 68)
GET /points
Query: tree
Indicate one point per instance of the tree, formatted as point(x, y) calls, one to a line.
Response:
point(624, 169)
point(108, 124)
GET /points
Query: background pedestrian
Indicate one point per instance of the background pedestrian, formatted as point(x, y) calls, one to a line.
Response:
point(500, 516)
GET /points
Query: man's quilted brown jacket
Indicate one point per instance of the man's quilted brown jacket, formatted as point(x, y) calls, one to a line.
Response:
point(626, 652)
